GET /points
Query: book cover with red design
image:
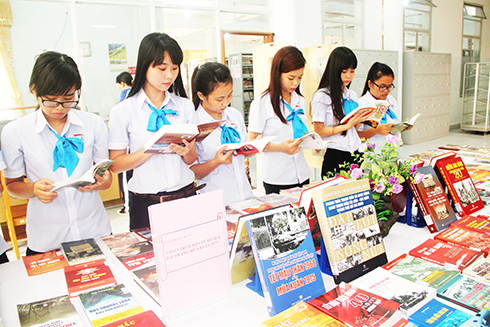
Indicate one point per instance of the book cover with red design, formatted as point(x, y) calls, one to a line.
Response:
point(120, 239)
point(465, 238)
point(460, 187)
point(476, 224)
point(432, 201)
point(356, 307)
point(444, 254)
point(88, 276)
point(302, 314)
point(44, 262)
point(143, 319)
point(136, 256)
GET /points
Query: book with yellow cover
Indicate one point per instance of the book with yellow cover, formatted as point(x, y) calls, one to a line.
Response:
point(302, 314)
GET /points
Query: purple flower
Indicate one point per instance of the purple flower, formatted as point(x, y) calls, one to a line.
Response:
point(393, 180)
point(380, 188)
point(392, 139)
point(363, 147)
point(418, 178)
point(371, 146)
point(356, 173)
point(413, 169)
point(397, 188)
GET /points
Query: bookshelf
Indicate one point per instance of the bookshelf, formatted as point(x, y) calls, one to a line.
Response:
point(475, 115)
point(241, 67)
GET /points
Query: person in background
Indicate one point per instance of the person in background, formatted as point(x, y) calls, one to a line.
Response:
point(280, 112)
point(3, 245)
point(379, 84)
point(124, 83)
point(157, 98)
point(212, 91)
point(53, 144)
point(330, 103)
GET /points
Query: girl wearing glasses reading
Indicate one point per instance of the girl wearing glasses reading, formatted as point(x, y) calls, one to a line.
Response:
point(379, 84)
point(54, 144)
point(329, 105)
point(157, 98)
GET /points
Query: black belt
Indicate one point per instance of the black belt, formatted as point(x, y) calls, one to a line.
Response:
point(169, 196)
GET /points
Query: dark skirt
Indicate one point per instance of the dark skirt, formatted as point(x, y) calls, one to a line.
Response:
point(273, 188)
point(333, 158)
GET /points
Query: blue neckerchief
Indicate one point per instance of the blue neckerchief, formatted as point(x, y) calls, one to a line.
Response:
point(299, 127)
point(64, 152)
point(229, 135)
point(349, 105)
point(390, 113)
point(157, 118)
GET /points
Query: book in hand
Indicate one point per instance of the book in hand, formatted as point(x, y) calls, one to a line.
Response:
point(375, 116)
point(457, 180)
point(356, 307)
point(44, 262)
point(109, 304)
point(420, 271)
point(404, 125)
point(285, 257)
point(313, 141)
point(81, 251)
point(409, 295)
point(143, 319)
point(302, 314)
point(88, 276)
point(249, 147)
point(466, 238)
point(87, 178)
point(350, 229)
point(432, 200)
point(436, 313)
point(54, 312)
point(451, 256)
point(466, 292)
point(176, 134)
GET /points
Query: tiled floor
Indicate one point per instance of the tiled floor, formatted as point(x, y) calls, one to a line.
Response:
point(121, 223)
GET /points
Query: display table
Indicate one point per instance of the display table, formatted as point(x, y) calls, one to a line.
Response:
point(239, 307)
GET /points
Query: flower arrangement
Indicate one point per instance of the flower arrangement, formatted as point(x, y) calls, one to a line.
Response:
point(385, 171)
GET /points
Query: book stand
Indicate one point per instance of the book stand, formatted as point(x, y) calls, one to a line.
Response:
point(255, 284)
point(410, 219)
point(323, 259)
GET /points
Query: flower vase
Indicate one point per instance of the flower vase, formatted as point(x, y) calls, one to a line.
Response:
point(399, 201)
point(387, 217)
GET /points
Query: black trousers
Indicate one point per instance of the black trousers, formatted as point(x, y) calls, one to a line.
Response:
point(273, 188)
point(4, 258)
point(139, 203)
point(129, 174)
point(332, 160)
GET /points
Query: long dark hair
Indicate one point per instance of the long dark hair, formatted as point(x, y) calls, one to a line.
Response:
point(206, 78)
point(151, 52)
point(54, 73)
point(377, 71)
point(125, 77)
point(285, 60)
point(340, 59)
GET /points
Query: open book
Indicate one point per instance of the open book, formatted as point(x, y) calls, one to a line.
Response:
point(167, 134)
point(313, 141)
point(404, 125)
point(375, 113)
point(86, 179)
point(249, 147)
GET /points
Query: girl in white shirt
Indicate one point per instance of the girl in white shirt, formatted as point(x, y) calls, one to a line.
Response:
point(379, 84)
point(3, 245)
point(280, 112)
point(212, 91)
point(330, 103)
point(53, 144)
point(157, 98)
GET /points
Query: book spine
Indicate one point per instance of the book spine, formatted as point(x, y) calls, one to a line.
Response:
point(422, 207)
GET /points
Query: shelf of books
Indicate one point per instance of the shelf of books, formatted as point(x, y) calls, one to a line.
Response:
point(241, 67)
point(311, 256)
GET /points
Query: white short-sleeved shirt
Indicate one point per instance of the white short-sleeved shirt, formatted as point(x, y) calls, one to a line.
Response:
point(127, 128)
point(3, 245)
point(27, 148)
point(278, 168)
point(230, 178)
point(321, 109)
point(367, 100)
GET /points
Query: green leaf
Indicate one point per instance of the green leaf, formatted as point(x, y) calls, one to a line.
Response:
point(376, 169)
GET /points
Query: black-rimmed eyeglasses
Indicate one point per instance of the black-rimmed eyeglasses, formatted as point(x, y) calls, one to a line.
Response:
point(64, 104)
point(384, 88)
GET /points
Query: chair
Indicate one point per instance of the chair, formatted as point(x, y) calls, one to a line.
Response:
point(15, 214)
